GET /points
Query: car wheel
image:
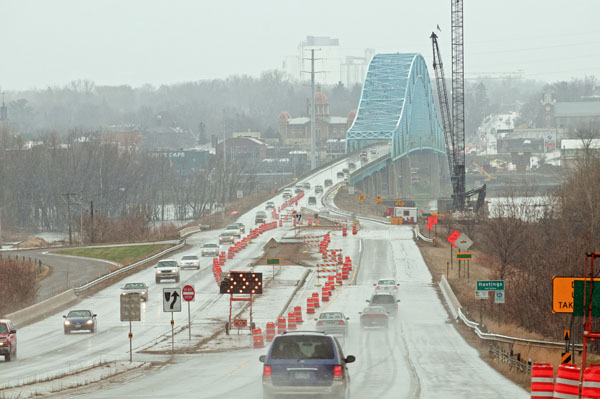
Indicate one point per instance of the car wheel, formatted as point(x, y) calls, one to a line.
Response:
point(67, 331)
point(158, 281)
point(7, 357)
point(176, 279)
point(14, 355)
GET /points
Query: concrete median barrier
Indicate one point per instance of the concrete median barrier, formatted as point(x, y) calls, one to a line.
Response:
point(42, 309)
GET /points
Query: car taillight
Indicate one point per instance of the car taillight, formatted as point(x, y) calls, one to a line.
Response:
point(341, 322)
point(395, 287)
point(319, 323)
point(337, 372)
point(396, 306)
point(267, 371)
point(377, 287)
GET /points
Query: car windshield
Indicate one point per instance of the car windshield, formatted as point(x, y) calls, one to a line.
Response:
point(331, 315)
point(3, 328)
point(387, 282)
point(232, 227)
point(79, 313)
point(210, 246)
point(167, 263)
point(383, 299)
point(374, 309)
point(302, 347)
point(189, 257)
point(226, 234)
point(133, 286)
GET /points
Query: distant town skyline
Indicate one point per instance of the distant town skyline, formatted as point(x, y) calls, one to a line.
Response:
point(158, 42)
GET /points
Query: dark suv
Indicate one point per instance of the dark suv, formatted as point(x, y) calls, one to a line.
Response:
point(8, 340)
point(305, 364)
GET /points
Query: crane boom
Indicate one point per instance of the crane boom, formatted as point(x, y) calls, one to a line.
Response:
point(440, 82)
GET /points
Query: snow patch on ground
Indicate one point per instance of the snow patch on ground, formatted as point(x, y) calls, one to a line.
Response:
point(60, 381)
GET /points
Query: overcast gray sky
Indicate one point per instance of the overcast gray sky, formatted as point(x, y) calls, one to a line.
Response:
point(51, 42)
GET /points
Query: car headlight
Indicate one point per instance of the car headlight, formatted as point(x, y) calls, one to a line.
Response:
point(89, 322)
point(67, 323)
point(158, 272)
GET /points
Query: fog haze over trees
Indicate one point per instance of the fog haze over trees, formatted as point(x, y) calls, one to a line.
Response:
point(237, 103)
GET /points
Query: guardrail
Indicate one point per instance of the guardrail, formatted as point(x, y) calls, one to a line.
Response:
point(127, 268)
point(456, 310)
point(421, 236)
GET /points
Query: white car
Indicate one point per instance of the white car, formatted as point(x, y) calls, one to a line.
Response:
point(190, 262)
point(167, 269)
point(235, 229)
point(386, 285)
point(210, 249)
point(136, 288)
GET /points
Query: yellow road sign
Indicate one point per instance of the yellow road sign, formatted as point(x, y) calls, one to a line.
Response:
point(378, 200)
point(562, 294)
point(399, 203)
point(362, 198)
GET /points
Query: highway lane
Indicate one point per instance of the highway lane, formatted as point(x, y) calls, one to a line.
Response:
point(421, 355)
point(44, 349)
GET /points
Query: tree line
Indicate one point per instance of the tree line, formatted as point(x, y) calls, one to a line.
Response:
point(60, 176)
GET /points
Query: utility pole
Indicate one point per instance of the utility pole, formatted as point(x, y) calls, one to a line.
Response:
point(68, 199)
point(92, 221)
point(313, 138)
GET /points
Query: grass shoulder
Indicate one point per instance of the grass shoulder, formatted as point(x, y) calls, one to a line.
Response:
point(124, 255)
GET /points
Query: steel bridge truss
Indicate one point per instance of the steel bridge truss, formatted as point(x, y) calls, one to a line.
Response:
point(397, 106)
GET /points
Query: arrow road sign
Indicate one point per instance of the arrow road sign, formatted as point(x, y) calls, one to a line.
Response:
point(298, 217)
point(463, 242)
point(188, 293)
point(171, 299)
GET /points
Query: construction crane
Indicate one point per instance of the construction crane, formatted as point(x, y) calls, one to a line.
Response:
point(454, 124)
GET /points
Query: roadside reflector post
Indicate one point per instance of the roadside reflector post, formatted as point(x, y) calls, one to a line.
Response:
point(172, 334)
point(130, 343)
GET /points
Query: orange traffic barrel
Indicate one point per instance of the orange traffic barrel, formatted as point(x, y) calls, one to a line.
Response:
point(270, 331)
point(257, 338)
point(567, 382)
point(310, 308)
point(291, 321)
point(315, 297)
point(281, 326)
point(542, 381)
point(325, 294)
point(354, 231)
point(591, 382)
point(298, 311)
point(344, 231)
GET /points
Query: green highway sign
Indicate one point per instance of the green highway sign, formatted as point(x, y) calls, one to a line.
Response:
point(490, 285)
point(463, 255)
point(426, 215)
point(273, 261)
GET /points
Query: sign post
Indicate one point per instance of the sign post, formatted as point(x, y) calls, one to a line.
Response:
point(130, 311)
point(451, 239)
point(273, 261)
point(172, 303)
point(189, 295)
point(483, 287)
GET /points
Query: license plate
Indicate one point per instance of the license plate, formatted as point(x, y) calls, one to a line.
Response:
point(302, 375)
point(77, 325)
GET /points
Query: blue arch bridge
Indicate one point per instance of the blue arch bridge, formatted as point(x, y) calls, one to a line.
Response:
point(397, 111)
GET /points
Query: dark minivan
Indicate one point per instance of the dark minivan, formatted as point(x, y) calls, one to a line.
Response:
point(305, 364)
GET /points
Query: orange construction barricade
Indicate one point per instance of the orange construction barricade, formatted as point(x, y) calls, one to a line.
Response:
point(258, 338)
point(270, 331)
point(310, 308)
point(591, 382)
point(567, 382)
point(291, 321)
point(281, 325)
point(542, 381)
point(315, 297)
point(298, 311)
